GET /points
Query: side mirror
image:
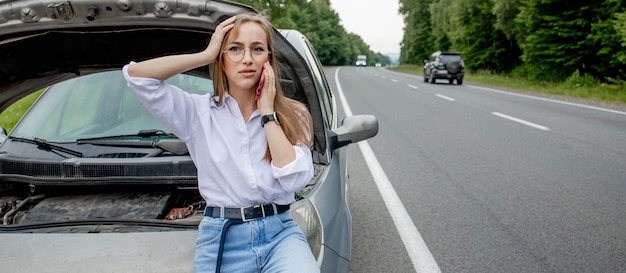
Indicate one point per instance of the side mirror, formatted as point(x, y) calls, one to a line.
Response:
point(354, 129)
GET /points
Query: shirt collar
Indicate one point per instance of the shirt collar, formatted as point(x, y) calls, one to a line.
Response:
point(228, 99)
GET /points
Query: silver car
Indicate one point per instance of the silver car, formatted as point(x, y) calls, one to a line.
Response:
point(91, 182)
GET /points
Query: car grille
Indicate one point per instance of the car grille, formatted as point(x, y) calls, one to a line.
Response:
point(121, 155)
point(92, 170)
point(95, 169)
point(30, 168)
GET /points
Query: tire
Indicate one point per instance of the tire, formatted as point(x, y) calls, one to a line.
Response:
point(459, 81)
point(425, 78)
point(432, 80)
point(451, 81)
point(453, 67)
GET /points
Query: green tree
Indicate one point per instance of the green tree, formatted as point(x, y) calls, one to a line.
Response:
point(506, 11)
point(326, 33)
point(620, 27)
point(474, 35)
point(417, 40)
point(440, 20)
point(358, 47)
point(606, 41)
point(556, 45)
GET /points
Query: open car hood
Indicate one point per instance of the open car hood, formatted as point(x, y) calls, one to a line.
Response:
point(42, 43)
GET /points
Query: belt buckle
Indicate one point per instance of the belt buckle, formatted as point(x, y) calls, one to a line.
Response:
point(243, 214)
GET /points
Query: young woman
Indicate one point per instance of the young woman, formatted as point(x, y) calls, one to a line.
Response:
point(252, 154)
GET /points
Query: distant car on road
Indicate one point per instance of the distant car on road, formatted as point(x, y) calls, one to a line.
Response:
point(444, 65)
point(361, 60)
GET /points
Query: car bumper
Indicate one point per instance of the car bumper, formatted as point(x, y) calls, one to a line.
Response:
point(442, 75)
point(171, 251)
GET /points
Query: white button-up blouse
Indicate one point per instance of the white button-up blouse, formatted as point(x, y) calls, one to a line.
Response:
point(227, 151)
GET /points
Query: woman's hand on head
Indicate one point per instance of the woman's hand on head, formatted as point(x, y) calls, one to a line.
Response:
point(213, 49)
point(265, 104)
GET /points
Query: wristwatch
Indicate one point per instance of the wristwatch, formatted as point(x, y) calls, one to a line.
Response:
point(266, 118)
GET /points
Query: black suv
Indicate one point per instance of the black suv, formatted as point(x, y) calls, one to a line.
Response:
point(444, 65)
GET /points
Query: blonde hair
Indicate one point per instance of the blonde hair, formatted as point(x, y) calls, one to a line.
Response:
point(295, 119)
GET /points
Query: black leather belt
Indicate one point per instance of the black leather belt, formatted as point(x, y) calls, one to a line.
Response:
point(239, 216)
point(246, 214)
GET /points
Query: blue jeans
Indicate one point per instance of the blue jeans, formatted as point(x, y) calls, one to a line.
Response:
point(270, 244)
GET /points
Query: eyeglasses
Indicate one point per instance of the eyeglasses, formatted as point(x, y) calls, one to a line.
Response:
point(236, 53)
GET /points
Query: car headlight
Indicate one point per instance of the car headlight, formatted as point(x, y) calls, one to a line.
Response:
point(307, 218)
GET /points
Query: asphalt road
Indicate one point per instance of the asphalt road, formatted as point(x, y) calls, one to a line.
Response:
point(493, 181)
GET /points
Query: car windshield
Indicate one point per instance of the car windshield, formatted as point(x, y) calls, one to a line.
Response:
point(93, 106)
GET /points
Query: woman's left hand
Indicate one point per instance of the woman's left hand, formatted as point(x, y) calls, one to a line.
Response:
point(265, 104)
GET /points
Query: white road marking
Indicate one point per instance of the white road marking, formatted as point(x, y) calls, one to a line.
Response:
point(394, 80)
point(422, 258)
point(534, 125)
point(413, 86)
point(550, 100)
point(444, 97)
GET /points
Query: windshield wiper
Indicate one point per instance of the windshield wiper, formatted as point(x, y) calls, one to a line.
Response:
point(47, 146)
point(176, 146)
point(139, 135)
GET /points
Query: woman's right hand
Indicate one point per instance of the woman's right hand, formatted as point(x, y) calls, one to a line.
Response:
point(163, 68)
point(213, 49)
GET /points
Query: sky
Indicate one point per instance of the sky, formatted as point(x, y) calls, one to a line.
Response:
point(377, 22)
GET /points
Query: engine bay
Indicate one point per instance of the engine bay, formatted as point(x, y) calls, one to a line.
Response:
point(26, 205)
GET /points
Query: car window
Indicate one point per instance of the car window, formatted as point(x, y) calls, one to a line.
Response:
point(95, 105)
point(449, 58)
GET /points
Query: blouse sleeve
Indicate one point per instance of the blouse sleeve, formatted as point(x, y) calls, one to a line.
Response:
point(297, 174)
point(169, 104)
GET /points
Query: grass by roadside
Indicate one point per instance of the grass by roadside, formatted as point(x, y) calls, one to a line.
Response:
point(608, 95)
point(10, 116)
